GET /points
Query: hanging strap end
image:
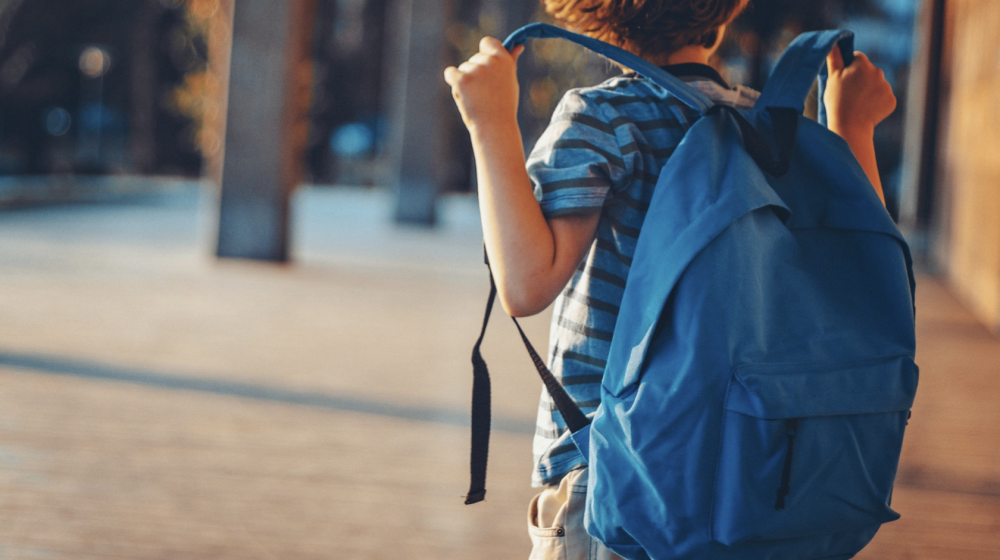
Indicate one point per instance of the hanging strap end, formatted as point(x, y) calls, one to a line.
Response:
point(475, 497)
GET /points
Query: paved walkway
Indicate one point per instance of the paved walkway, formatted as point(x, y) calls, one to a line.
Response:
point(156, 403)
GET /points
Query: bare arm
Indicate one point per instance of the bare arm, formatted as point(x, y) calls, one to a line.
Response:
point(858, 98)
point(532, 258)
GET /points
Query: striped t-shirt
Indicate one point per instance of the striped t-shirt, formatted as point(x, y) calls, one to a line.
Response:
point(603, 152)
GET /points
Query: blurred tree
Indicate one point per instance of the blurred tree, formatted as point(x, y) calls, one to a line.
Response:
point(46, 102)
point(200, 95)
point(345, 121)
point(38, 71)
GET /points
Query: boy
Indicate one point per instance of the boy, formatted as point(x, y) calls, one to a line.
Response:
point(562, 225)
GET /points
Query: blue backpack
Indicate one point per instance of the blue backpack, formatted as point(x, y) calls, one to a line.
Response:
point(761, 371)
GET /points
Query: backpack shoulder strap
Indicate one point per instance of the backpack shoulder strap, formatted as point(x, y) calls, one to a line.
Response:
point(685, 93)
point(802, 61)
point(575, 419)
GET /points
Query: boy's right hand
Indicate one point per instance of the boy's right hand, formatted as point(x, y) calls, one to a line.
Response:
point(857, 97)
point(485, 86)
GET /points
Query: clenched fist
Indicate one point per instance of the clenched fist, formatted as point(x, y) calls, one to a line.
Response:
point(485, 86)
point(857, 97)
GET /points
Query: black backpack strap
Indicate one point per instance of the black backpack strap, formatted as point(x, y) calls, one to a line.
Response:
point(575, 419)
point(480, 410)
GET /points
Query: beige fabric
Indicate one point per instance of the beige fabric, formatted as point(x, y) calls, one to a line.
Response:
point(555, 523)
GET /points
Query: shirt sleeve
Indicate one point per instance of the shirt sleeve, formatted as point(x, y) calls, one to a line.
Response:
point(577, 160)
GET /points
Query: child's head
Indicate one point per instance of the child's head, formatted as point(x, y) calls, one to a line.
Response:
point(650, 28)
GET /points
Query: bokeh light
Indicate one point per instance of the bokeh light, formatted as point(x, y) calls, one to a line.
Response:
point(57, 121)
point(94, 62)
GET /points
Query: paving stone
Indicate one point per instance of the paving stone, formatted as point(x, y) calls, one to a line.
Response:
point(156, 403)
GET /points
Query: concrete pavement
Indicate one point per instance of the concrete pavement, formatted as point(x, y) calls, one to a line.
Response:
point(156, 403)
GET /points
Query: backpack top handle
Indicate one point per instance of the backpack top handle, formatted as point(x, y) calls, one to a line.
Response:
point(683, 92)
point(788, 85)
point(801, 63)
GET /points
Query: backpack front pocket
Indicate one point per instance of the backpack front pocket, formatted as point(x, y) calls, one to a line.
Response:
point(810, 449)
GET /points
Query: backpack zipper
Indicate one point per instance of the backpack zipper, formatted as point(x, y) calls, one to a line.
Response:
point(791, 429)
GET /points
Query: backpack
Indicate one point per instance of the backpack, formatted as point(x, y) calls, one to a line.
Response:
point(761, 370)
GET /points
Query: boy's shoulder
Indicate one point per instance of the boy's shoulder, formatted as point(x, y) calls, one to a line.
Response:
point(619, 100)
point(614, 93)
point(630, 93)
point(624, 85)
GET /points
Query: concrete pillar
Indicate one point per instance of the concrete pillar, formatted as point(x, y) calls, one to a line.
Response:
point(920, 143)
point(266, 124)
point(417, 94)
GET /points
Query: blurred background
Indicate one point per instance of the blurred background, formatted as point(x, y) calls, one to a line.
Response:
point(241, 273)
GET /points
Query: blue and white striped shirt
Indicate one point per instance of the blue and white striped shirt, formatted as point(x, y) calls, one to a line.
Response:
point(602, 152)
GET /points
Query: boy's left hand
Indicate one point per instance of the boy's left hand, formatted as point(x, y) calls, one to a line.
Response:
point(485, 86)
point(857, 97)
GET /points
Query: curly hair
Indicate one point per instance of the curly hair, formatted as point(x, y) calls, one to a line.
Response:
point(646, 27)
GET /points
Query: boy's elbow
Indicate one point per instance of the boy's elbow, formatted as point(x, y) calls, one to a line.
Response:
point(523, 303)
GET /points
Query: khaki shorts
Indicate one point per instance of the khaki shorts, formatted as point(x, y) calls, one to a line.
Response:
point(555, 523)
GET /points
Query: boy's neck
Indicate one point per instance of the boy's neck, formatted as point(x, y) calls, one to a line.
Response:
point(696, 54)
